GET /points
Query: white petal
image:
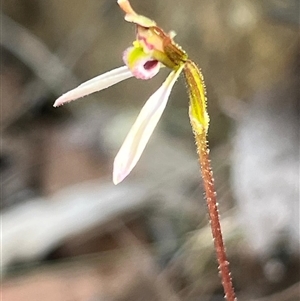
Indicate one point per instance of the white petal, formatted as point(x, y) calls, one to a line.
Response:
point(97, 83)
point(142, 129)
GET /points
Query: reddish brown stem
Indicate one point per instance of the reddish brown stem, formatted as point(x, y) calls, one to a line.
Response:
point(207, 175)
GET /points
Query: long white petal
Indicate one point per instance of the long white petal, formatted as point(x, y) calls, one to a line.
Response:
point(97, 83)
point(142, 129)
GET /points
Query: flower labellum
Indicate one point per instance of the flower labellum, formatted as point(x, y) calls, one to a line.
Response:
point(151, 50)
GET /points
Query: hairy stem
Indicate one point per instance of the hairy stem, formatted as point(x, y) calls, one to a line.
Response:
point(208, 180)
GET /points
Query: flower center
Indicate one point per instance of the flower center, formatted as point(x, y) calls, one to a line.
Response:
point(141, 64)
point(150, 64)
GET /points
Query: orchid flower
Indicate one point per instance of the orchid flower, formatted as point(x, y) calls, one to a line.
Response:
point(152, 50)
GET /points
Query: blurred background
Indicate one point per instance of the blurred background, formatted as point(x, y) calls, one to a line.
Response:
point(69, 234)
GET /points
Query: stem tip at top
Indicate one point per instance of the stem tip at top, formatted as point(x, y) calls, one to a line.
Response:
point(125, 5)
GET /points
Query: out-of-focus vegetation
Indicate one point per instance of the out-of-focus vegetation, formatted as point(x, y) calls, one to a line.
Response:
point(69, 234)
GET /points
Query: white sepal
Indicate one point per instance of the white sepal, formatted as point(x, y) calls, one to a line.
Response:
point(141, 131)
point(95, 84)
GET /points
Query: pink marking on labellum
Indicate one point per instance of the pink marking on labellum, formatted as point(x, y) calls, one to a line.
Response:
point(143, 68)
